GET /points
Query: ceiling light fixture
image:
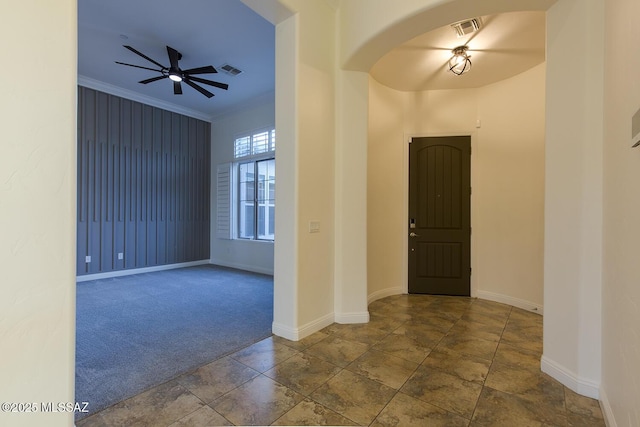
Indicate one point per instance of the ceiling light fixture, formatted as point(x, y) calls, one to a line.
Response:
point(175, 75)
point(460, 62)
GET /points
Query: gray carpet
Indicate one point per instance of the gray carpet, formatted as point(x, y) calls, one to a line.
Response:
point(135, 332)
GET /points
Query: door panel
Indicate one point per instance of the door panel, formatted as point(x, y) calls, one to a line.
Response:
point(440, 215)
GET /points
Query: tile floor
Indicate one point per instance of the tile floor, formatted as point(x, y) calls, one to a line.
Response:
point(420, 361)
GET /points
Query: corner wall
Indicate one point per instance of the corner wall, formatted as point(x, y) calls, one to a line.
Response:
point(507, 178)
point(305, 122)
point(620, 388)
point(573, 195)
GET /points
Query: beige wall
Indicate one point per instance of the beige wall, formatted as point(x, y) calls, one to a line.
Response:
point(620, 389)
point(37, 210)
point(507, 179)
point(385, 193)
point(509, 228)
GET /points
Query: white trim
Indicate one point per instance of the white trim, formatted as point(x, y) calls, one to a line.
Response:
point(240, 266)
point(284, 331)
point(506, 299)
point(349, 318)
point(132, 271)
point(134, 96)
point(583, 386)
point(382, 293)
point(224, 201)
point(607, 411)
point(296, 334)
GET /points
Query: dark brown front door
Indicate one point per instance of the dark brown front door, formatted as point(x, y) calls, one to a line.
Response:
point(440, 215)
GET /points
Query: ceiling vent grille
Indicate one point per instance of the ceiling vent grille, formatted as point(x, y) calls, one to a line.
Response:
point(230, 69)
point(463, 28)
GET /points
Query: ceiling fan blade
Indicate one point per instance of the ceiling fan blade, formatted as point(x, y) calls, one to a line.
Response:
point(152, 79)
point(177, 88)
point(145, 56)
point(209, 82)
point(138, 66)
point(199, 88)
point(174, 57)
point(201, 70)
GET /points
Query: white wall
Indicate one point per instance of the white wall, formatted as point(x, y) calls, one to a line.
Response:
point(620, 390)
point(573, 194)
point(316, 165)
point(305, 122)
point(37, 210)
point(248, 255)
point(351, 217)
point(507, 178)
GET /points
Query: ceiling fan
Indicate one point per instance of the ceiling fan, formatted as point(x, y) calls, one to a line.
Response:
point(177, 75)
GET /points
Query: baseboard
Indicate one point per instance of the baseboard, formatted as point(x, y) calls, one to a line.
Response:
point(506, 299)
point(580, 385)
point(132, 271)
point(296, 334)
point(384, 293)
point(605, 405)
point(346, 318)
point(285, 331)
point(245, 267)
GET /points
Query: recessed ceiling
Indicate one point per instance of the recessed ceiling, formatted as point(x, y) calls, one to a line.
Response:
point(205, 32)
point(506, 44)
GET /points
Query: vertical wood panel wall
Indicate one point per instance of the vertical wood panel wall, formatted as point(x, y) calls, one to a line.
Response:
point(143, 185)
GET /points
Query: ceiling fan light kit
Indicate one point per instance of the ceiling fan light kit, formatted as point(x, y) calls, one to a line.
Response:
point(176, 74)
point(460, 62)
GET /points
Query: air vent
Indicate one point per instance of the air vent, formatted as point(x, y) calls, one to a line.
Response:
point(230, 69)
point(463, 28)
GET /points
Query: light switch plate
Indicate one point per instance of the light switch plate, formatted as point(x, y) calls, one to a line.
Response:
point(314, 226)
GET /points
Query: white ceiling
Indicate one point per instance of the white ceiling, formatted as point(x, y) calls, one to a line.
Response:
point(215, 32)
point(206, 32)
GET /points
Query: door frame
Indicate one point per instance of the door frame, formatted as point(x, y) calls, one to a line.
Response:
point(406, 140)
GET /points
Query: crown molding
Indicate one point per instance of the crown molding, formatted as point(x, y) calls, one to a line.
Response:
point(134, 96)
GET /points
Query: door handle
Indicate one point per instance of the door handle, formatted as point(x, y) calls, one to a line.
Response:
point(412, 234)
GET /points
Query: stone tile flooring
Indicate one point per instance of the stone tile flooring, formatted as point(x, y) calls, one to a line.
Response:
point(421, 361)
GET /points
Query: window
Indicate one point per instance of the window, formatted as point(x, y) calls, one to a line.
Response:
point(259, 143)
point(256, 198)
point(255, 190)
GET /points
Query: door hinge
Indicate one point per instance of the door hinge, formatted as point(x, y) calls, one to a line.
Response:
point(470, 230)
point(470, 271)
point(470, 190)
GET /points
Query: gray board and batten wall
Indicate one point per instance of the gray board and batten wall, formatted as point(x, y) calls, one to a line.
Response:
point(143, 185)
